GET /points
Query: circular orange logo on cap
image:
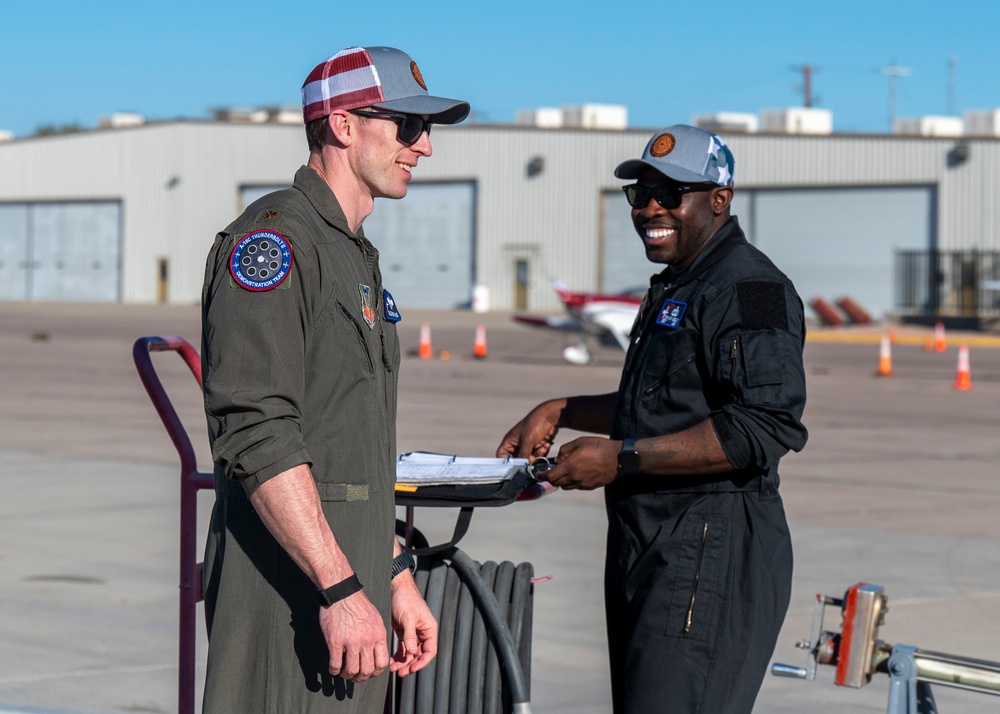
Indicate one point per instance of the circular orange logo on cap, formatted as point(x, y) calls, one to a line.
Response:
point(663, 145)
point(416, 74)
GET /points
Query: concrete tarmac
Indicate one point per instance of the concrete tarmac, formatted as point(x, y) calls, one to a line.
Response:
point(897, 486)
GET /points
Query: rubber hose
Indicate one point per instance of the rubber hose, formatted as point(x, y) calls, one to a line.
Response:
point(434, 597)
point(507, 649)
point(480, 582)
point(458, 691)
point(446, 642)
point(492, 684)
point(521, 599)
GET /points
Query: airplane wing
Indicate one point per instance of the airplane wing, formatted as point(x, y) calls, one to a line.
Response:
point(597, 316)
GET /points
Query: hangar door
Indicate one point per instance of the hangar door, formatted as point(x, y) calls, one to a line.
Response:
point(831, 242)
point(426, 242)
point(840, 241)
point(60, 251)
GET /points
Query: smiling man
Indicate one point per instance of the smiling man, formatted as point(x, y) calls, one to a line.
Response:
point(699, 561)
point(303, 573)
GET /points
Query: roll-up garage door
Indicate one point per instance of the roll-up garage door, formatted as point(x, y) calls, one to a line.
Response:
point(625, 267)
point(61, 251)
point(14, 251)
point(841, 241)
point(426, 241)
point(831, 242)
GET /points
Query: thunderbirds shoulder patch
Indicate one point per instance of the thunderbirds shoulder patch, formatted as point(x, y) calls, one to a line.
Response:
point(261, 260)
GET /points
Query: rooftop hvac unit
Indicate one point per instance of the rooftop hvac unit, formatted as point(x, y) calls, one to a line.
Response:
point(596, 116)
point(544, 117)
point(725, 122)
point(929, 126)
point(797, 120)
point(982, 122)
point(121, 120)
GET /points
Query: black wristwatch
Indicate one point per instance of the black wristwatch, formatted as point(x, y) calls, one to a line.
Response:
point(628, 459)
point(403, 561)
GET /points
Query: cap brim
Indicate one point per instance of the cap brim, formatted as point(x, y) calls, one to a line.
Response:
point(438, 109)
point(633, 167)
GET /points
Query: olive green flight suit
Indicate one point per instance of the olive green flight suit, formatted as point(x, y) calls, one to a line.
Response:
point(295, 374)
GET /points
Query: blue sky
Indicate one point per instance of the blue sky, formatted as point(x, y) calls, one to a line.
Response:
point(73, 62)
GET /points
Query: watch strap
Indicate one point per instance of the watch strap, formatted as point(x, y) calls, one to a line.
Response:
point(628, 458)
point(336, 593)
point(403, 561)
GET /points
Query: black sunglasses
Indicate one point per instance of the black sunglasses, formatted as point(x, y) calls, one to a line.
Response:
point(410, 126)
point(668, 196)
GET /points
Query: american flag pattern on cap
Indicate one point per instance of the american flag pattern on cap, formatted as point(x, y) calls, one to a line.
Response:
point(347, 80)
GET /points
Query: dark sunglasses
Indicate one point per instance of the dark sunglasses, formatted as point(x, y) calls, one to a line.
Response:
point(410, 126)
point(668, 196)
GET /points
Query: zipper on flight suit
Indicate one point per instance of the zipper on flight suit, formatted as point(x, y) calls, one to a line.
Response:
point(697, 578)
point(361, 335)
point(659, 383)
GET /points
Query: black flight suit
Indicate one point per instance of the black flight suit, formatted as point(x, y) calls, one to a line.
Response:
point(698, 571)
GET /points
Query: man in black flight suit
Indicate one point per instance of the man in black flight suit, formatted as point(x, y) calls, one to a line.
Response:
point(699, 561)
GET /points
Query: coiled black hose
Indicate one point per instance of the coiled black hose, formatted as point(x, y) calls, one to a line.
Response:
point(484, 638)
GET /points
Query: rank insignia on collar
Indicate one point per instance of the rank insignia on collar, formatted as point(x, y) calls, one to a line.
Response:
point(260, 260)
point(389, 308)
point(671, 313)
point(367, 306)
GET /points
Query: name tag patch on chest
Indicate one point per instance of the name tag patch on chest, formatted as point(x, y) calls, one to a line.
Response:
point(671, 313)
point(389, 308)
point(260, 261)
point(367, 305)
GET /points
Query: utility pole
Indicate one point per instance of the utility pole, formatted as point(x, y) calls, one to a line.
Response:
point(952, 66)
point(894, 72)
point(806, 88)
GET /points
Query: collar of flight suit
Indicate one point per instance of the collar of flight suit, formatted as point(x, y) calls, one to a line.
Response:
point(318, 193)
point(726, 239)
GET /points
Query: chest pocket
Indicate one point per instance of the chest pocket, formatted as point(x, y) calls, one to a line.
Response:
point(354, 326)
point(670, 366)
point(751, 365)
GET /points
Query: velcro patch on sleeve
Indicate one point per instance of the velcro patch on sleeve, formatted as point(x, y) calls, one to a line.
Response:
point(762, 306)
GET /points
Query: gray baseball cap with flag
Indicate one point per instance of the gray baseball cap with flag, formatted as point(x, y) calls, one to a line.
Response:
point(686, 154)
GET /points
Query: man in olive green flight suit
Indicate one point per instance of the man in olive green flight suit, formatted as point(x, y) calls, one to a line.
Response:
point(300, 364)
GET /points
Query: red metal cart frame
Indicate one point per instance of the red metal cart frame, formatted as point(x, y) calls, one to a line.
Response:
point(192, 480)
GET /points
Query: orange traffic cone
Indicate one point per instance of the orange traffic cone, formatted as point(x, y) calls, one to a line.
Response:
point(939, 342)
point(425, 341)
point(928, 344)
point(479, 350)
point(963, 378)
point(884, 359)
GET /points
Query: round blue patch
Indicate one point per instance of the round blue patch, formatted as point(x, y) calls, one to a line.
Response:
point(261, 260)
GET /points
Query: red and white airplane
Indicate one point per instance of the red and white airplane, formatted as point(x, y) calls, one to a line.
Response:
point(595, 315)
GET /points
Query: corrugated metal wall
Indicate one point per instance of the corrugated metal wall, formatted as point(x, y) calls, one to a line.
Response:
point(180, 182)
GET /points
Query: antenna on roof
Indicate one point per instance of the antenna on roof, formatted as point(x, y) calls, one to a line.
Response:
point(894, 72)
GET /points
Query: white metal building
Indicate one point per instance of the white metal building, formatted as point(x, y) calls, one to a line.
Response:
point(129, 214)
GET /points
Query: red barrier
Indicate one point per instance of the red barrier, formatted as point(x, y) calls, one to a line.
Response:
point(855, 313)
point(191, 481)
point(826, 312)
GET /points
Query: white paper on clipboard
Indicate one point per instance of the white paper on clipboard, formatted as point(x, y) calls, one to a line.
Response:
point(421, 468)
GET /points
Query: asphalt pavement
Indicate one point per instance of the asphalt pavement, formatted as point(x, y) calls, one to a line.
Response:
point(897, 486)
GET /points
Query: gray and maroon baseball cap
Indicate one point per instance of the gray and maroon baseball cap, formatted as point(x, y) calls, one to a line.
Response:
point(686, 154)
point(381, 77)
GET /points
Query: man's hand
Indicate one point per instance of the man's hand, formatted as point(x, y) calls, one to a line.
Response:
point(414, 625)
point(533, 435)
point(585, 463)
point(355, 634)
